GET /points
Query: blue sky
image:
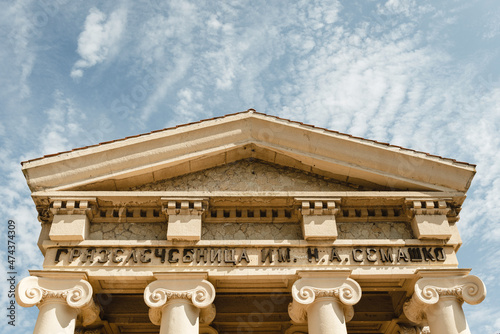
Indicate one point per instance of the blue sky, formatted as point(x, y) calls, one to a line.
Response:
point(419, 74)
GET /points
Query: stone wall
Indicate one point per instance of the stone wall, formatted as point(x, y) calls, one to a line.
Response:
point(251, 231)
point(378, 230)
point(248, 175)
point(128, 231)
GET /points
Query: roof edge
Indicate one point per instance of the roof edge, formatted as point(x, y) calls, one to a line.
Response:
point(249, 111)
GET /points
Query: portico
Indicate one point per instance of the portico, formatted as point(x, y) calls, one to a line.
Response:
point(249, 223)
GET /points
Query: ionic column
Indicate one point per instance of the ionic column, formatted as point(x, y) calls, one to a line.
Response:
point(61, 298)
point(406, 329)
point(324, 301)
point(175, 301)
point(207, 315)
point(438, 300)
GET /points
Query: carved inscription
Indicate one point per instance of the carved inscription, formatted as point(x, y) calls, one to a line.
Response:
point(224, 256)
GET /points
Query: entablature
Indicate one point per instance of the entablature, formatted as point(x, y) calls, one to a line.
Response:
point(369, 199)
point(226, 216)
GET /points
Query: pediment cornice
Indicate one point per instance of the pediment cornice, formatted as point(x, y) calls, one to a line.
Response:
point(169, 153)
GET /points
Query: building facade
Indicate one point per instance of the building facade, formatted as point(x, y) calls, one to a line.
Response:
point(249, 223)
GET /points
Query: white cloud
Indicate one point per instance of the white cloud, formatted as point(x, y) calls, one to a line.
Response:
point(60, 132)
point(166, 45)
point(63, 126)
point(391, 71)
point(17, 205)
point(18, 23)
point(100, 38)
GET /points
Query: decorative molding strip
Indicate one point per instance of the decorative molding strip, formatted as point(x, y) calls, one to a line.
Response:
point(129, 215)
point(184, 206)
point(441, 206)
point(319, 207)
point(371, 214)
point(73, 206)
point(251, 215)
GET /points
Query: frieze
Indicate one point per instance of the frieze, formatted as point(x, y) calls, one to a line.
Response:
point(244, 256)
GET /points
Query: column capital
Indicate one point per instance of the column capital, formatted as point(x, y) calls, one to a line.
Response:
point(407, 329)
point(191, 287)
point(432, 288)
point(312, 286)
point(68, 288)
point(207, 315)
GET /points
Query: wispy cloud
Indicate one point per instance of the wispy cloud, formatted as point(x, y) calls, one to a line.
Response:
point(61, 131)
point(17, 23)
point(100, 38)
point(167, 45)
point(420, 74)
point(63, 125)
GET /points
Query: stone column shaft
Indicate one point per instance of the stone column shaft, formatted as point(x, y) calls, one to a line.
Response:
point(447, 316)
point(326, 315)
point(180, 316)
point(55, 314)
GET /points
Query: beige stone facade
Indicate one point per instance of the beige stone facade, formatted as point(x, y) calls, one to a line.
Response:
point(249, 223)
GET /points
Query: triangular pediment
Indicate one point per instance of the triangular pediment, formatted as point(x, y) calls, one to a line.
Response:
point(161, 156)
point(249, 175)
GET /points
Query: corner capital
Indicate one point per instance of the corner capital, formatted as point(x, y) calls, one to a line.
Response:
point(76, 293)
point(430, 290)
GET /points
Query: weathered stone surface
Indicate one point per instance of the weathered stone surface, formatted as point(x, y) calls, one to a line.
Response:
point(128, 231)
point(376, 230)
point(251, 231)
point(248, 175)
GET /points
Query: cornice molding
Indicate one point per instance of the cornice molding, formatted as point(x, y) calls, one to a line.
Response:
point(199, 146)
